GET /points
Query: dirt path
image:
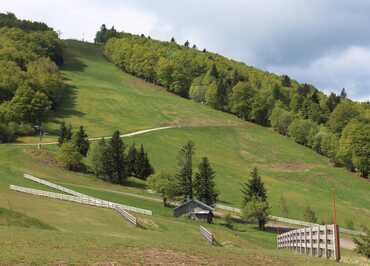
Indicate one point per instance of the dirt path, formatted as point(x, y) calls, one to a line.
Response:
point(140, 132)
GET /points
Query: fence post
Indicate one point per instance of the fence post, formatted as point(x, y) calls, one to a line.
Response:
point(336, 242)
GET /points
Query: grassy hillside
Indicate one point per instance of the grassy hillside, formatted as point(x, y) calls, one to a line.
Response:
point(103, 99)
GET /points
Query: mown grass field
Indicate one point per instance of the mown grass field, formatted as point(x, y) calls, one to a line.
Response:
point(104, 99)
point(40, 231)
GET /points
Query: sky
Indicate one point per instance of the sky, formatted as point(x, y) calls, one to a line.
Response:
point(322, 42)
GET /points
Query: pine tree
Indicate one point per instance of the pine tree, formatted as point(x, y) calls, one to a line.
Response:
point(254, 188)
point(204, 185)
point(143, 168)
point(81, 141)
point(131, 160)
point(118, 172)
point(69, 133)
point(173, 40)
point(185, 171)
point(186, 44)
point(286, 81)
point(62, 133)
point(343, 93)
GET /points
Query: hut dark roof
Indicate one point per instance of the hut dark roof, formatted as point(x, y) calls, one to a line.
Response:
point(191, 206)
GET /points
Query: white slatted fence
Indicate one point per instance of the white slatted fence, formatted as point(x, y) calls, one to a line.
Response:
point(77, 194)
point(319, 241)
point(207, 235)
point(82, 200)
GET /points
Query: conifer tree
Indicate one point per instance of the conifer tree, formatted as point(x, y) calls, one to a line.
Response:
point(131, 160)
point(62, 133)
point(143, 168)
point(69, 133)
point(116, 159)
point(81, 141)
point(186, 44)
point(254, 188)
point(204, 185)
point(185, 170)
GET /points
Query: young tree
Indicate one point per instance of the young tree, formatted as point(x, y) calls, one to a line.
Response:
point(70, 158)
point(116, 157)
point(165, 184)
point(204, 185)
point(309, 215)
point(81, 141)
point(96, 156)
point(254, 188)
point(185, 170)
point(257, 209)
point(341, 116)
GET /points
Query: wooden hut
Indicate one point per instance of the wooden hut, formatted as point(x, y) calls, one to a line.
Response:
point(194, 209)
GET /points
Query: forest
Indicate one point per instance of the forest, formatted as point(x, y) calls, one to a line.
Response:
point(334, 125)
point(30, 82)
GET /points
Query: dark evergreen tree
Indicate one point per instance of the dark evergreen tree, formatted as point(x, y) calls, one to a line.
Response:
point(254, 188)
point(118, 172)
point(204, 50)
point(62, 133)
point(185, 170)
point(81, 141)
point(131, 160)
point(204, 185)
point(315, 97)
point(286, 81)
point(194, 46)
point(343, 93)
point(186, 44)
point(143, 168)
point(332, 101)
point(69, 133)
point(173, 40)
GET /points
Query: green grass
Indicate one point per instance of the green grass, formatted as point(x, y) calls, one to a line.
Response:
point(103, 99)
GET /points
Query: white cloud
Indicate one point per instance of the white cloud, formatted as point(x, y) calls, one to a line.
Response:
point(77, 18)
point(321, 42)
point(349, 68)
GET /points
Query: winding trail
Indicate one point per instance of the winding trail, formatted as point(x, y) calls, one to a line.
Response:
point(140, 132)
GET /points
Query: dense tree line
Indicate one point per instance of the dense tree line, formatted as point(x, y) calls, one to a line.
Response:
point(107, 159)
point(30, 82)
point(299, 111)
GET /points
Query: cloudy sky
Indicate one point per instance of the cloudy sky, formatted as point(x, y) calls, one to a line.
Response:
point(322, 42)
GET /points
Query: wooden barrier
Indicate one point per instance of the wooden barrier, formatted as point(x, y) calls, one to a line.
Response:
point(207, 235)
point(320, 241)
point(77, 194)
point(82, 200)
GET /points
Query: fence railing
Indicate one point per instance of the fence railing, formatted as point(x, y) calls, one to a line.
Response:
point(207, 235)
point(82, 200)
point(320, 241)
point(77, 194)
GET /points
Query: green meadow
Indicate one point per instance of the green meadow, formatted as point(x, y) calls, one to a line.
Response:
point(39, 231)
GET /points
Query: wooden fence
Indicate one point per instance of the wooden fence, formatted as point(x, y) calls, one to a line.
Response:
point(320, 241)
point(82, 200)
point(207, 235)
point(77, 194)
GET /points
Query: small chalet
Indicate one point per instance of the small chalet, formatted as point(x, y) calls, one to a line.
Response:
point(194, 209)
